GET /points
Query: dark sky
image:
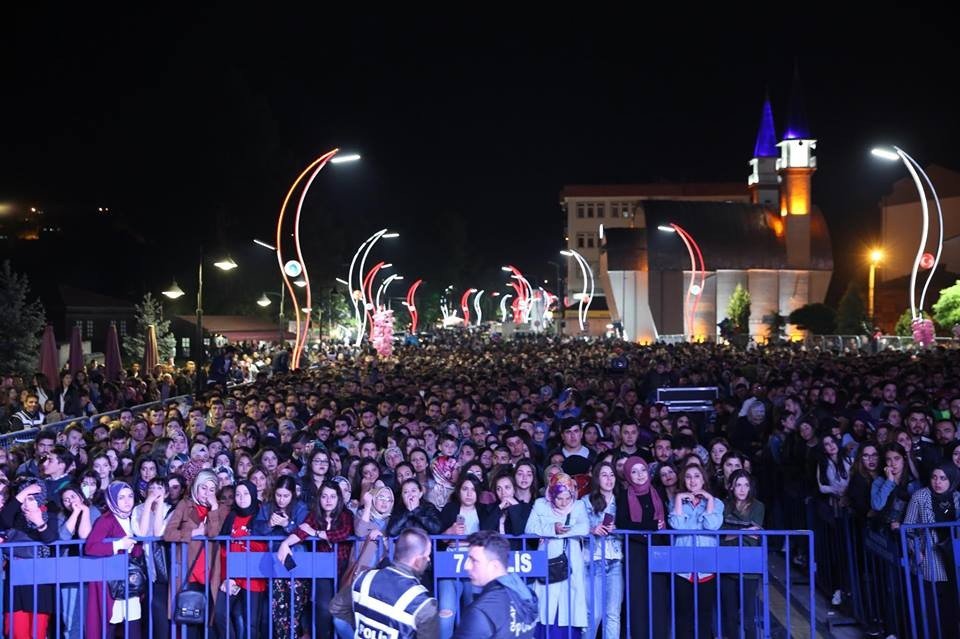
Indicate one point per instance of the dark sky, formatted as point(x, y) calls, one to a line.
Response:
point(190, 126)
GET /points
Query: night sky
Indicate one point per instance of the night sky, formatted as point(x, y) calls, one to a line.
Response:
point(190, 127)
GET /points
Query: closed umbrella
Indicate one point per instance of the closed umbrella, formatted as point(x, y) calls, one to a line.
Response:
point(49, 357)
point(76, 351)
point(111, 358)
point(152, 355)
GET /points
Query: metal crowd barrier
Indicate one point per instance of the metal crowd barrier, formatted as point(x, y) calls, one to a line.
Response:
point(28, 434)
point(869, 563)
point(929, 555)
point(740, 592)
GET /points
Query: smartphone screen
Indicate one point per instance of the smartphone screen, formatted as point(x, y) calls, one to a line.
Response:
point(607, 519)
point(566, 524)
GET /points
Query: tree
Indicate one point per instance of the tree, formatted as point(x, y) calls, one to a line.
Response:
point(150, 312)
point(21, 323)
point(738, 310)
point(819, 319)
point(852, 312)
point(904, 325)
point(775, 323)
point(946, 312)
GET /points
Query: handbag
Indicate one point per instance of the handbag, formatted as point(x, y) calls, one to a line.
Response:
point(558, 568)
point(135, 583)
point(190, 604)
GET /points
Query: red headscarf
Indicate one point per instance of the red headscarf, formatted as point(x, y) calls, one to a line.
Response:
point(634, 491)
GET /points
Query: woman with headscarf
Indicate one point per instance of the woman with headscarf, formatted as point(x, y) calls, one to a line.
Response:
point(246, 597)
point(443, 471)
point(640, 508)
point(932, 548)
point(26, 519)
point(560, 519)
point(193, 520)
point(115, 524)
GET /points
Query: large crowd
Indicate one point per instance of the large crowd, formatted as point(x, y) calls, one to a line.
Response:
point(560, 439)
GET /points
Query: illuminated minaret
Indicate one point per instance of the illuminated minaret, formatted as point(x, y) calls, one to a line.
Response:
point(763, 182)
point(795, 166)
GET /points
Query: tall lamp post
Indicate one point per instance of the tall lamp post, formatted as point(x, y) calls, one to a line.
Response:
point(357, 294)
point(297, 267)
point(914, 168)
point(174, 291)
point(588, 285)
point(696, 265)
point(876, 256)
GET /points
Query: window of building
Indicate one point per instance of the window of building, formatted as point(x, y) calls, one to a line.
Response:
point(185, 344)
point(123, 328)
point(581, 240)
point(601, 209)
point(590, 241)
point(590, 210)
point(581, 209)
point(90, 329)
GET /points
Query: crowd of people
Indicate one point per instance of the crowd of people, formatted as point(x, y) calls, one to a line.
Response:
point(559, 439)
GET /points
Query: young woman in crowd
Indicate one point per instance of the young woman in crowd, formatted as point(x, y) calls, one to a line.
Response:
point(461, 516)
point(742, 511)
point(240, 602)
point(125, 607)
point(695, 509)
point(328, 523)
point(413, 511)
point(892, 489)
point(934, 580)
point(560, 519)
point(150, 520)
point(604, 568)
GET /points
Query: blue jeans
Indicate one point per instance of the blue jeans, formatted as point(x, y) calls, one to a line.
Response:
point(605, 586)
point(455, 595)
point(70, 611)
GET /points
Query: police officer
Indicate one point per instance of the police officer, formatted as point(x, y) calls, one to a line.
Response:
point(505, 607)
point(390, 602)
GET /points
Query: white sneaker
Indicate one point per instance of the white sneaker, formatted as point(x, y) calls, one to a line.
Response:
point(837, 598)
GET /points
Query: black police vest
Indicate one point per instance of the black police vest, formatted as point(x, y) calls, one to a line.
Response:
point(385, 604)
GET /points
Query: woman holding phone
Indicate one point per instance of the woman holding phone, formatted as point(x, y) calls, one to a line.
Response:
point(560, 520)
point(605, 563)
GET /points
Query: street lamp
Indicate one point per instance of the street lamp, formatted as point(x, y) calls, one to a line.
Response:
point(313, 169)
point(696, 264)
point(876, 256)
point(383, 288)
point(264, 302)
point(356, 294)
point(913, 168)
point(587, 274)
point(174, 291)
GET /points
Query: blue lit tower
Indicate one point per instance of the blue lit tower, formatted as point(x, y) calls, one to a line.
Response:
point(763, 182)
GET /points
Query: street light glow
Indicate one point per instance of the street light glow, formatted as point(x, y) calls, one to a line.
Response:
point(264, 301)
point(340, 159)
point(264, 244)
point(506, 269)
point(876, 256)
point(390, 236)
point(299, 283)
point(885, 154)
point(174, 291)
point(226, 264)
point(340, 280)
point(666, 229)
point(566, 253)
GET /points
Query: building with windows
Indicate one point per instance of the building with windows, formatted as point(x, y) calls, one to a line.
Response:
point(766, 235)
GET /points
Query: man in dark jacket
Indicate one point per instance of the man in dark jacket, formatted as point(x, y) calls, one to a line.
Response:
point(505, 607)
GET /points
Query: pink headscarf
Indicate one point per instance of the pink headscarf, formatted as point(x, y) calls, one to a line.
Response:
point(558, 484)
point(635, 491)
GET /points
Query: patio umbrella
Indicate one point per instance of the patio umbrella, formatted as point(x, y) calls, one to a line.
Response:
point(152, 355)
point(49, 357)
point(76, 351)
point(111, 359)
